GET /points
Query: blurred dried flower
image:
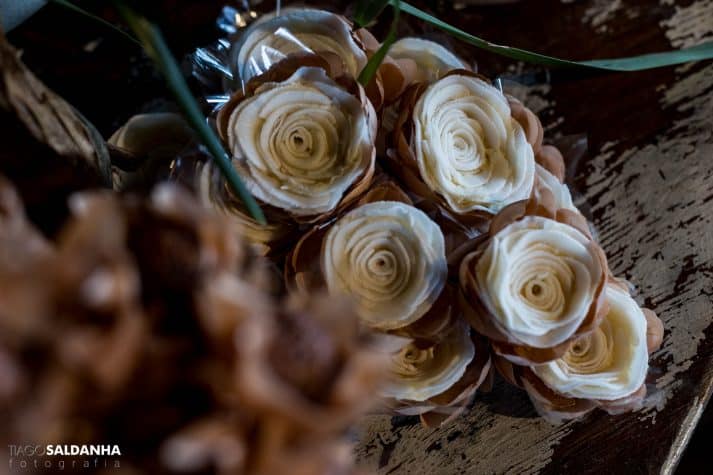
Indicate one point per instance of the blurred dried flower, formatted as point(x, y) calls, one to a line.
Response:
point(154, 310)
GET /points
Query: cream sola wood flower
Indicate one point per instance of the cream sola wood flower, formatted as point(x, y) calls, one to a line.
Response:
point(391, 257)
point(432, 60)
point(296, 30)
point(457, 143)
point(303, 143)
point(604, 368)
point(437, 380)
point(388, 256)
point(535, 284)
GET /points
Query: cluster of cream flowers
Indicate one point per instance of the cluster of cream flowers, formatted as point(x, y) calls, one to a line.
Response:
point(427, 197)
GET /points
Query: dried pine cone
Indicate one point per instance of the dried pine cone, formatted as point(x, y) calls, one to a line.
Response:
point(154, 311)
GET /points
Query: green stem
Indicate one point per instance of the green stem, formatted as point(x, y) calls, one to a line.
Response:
point(369, 71)
point(76, 9)
point(634, 63)
point(155, 46)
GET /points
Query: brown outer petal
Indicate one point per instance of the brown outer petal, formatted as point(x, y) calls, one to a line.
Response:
point(481, 319)
point(392, 77)
point(437, 321)
point(281, 71)
point(395, 77)
point(549, 403)
point(302, 267)
point(529, 122)
point(367, 40)
point(552, 160)
point(654, 330)
point(548, 156)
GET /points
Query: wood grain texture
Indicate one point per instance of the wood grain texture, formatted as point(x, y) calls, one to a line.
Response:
point(647, 183)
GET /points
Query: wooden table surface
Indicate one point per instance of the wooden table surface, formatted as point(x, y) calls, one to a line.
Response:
point(647, 180)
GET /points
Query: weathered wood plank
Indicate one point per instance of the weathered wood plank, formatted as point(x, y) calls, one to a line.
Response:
point(648, 185)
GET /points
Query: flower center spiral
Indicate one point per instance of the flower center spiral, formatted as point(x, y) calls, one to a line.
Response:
point(300, 144)
point(411, 360)
point(390, 257)
point(592, 353)
point(468, 147)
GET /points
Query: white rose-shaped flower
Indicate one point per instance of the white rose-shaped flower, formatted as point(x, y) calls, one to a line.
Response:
point(537, 281)
point(214, 192)
point(301, 143)
point(303, 30)
point(607, 364)
point(156, 135)
point(605, 367)
point(468, 148)
point(390, 257)
point(419, 374)
point(432, 60)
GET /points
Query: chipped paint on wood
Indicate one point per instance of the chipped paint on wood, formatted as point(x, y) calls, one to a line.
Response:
point(691, 24)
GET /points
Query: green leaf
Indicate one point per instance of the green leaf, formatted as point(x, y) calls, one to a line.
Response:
point(372, 66)
point(155, 46)
point(367, 10)
point(76, 9)
point(633, 63)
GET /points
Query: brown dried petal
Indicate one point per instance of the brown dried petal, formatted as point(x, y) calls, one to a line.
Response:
point(654, 330)
point(552, 160)
point(529, 122)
